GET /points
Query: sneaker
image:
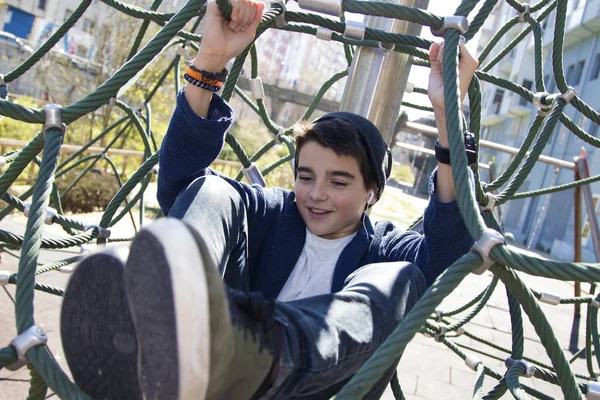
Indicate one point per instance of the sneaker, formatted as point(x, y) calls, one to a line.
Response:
point(97, 332)
point(194, 342)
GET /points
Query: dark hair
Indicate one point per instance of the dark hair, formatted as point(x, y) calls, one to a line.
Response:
point(340, 136)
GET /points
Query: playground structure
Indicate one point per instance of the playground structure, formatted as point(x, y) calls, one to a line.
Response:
point(489, 253)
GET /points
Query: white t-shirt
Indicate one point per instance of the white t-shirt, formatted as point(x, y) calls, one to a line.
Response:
point(313, 272)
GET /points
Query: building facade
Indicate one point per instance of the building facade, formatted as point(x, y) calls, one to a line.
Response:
point(546, 222)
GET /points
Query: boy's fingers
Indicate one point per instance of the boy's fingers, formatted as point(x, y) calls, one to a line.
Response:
point(434, 49)
point(249, 13)
point(259, 7)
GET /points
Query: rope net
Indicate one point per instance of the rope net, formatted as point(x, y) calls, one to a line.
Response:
point(503, 260)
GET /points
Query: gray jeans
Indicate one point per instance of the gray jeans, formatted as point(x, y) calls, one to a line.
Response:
point(327, 337)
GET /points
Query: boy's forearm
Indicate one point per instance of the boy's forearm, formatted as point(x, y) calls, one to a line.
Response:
point(444, 188)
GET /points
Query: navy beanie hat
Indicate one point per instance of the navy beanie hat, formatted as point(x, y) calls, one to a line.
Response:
point(380, 157)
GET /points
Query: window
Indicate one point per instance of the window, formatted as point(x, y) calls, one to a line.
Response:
point(595, 68)
point(569, 73)
point(41, 4)
point(527, 84)
point(497, 101)
point(575, 76)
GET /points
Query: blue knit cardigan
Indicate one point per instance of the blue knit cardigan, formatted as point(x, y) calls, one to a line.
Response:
point(276, 231)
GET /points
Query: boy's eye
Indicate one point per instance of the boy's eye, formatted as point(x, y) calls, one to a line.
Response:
point(304, 178)
point(339, 183)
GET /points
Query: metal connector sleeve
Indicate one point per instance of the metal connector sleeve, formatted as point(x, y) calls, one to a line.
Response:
point(103, 233)
point(539, 101)
point(280, 19)
point(484, 245)
point(593, 392)
point(491, 203)
point(257, 89)
point(472, 362)
point(324, 33)
point(569, 94)
point(354, 30)
point(458, 22)
point(549, 299)
point(53, 118)
point(50, 214)
point(525, 13)
point(529, 368)
point(2, 162)
point(331, 7)
point(4, 277)
point(254, 176)
point(34, 336)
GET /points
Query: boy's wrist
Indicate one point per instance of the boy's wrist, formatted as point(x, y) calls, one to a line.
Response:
point(210, 63)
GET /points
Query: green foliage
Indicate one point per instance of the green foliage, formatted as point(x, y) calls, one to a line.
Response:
point(402, 173)
point(11, 129)
point(92, 192)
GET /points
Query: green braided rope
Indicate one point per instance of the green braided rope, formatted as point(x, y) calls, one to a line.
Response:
point(512, 380)
point(543, 329)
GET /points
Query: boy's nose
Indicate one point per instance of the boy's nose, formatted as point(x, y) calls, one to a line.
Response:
point(318, 193)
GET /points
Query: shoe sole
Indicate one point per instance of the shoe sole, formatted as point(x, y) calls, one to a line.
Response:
point(97, 332)
point(166, 289)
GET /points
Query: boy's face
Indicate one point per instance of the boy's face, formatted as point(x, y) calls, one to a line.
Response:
point(330, 191)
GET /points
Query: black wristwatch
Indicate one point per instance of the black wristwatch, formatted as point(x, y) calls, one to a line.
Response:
point(442, 154)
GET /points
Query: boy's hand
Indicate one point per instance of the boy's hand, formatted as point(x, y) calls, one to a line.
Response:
point(223, 40)
point(466, 68)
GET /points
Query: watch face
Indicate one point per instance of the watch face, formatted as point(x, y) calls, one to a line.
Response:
point(470, 140)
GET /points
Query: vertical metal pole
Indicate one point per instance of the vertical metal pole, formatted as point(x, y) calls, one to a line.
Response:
point(377, 78)
point(586, 191)
point(577, 228)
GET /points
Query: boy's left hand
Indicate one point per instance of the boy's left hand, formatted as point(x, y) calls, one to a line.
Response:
point(466, 68)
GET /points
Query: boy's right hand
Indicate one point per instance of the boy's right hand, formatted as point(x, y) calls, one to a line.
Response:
point(223, 40)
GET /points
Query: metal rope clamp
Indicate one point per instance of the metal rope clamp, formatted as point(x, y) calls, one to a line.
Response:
point(529, 368)
point(50, 214)
point(539, 99)
point(458, 22)
point(2, 162)
point(256, 88)
point(441, 334)
point(53, 119)
point(354, 30)
point(331, 7)
point(569, 94)
point(34, 336)
point(593, 392)
point(526, 12)
point(491, 203)
point(488, 240)
point(103, 233)
point(280, 133)
point(254, 176)
point(595, 303)
point(280, 18)
point(324, 33)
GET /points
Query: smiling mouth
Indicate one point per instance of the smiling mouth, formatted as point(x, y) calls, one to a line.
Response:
point(317, 212)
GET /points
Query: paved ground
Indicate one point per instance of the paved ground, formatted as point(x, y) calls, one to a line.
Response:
point(428, 370)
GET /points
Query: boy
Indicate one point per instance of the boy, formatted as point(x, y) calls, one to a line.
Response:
point(311, 287)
